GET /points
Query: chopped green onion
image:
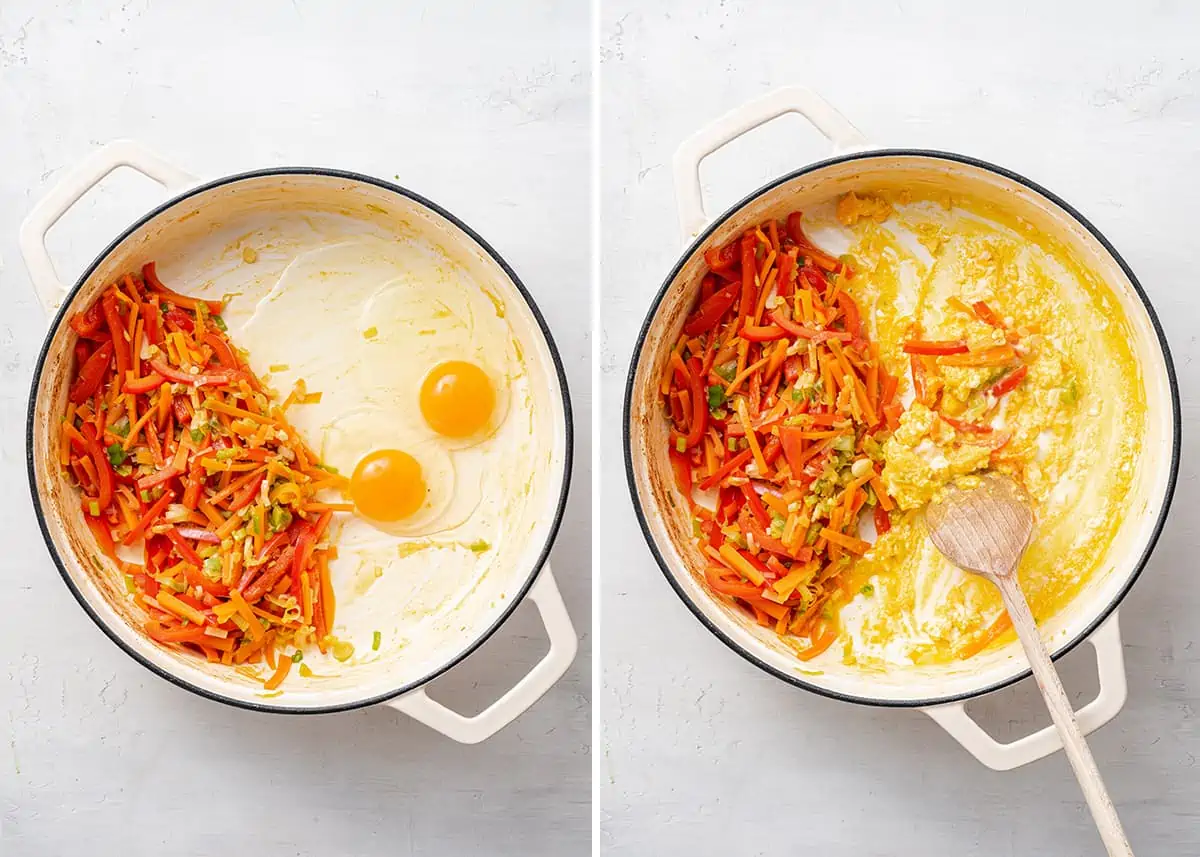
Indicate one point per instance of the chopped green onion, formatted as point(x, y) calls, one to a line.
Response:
point(844, 443)
point(226, 454)
point(376, 641)
point(120, 427)
point(145, 495)
point(220, 323)
point(297, 656)
point(728, 371)
point(716, 396)
point(868, 589)
point(117, 455)
point(279, 518)
point(212, 567)
point(197, 435)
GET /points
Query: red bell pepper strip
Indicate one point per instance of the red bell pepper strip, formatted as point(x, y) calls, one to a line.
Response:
point(179, 319)
point(158, 478)
point(721, 258)
point(803, 332)
point(145, 384)
point(248, 492)
point(681, 465)
point(213, 379)
point(793, 448)
point(1009, 382)
point(749, 269)
point(116, 329)
point(104, 474)
point(970, 428)
point(763, 333)
point(103, 535)
point(725, 469)
point(87, 322)
point(711, 311)
point(756, 505)
point(148, 519)
point(936, 347)
point(186, 552)
point(988, 315)
point(267, 580)
point(883, 521)
point(226, 359)
point(699, 409)
point(91, 374)
point(150, 275)
point(853, 319)
point(153, 322)
point(786, 284)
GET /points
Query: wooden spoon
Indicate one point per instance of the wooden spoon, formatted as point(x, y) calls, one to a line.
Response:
point(985, 530)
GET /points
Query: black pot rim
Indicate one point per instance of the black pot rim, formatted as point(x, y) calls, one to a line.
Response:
point(513, 603)
point(800, 681)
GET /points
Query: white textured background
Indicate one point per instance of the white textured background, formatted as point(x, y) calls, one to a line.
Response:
point(482, 108)
point(703, 754)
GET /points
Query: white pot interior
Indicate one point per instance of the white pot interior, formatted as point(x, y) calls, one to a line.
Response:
point(238, 238)
point(665, 512)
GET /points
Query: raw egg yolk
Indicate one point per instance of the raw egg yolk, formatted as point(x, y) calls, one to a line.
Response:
point(457, 399)
point(387, 485)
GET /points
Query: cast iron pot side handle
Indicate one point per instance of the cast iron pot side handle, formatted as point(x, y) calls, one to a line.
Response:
point(790, 99)
point(74, 184)
point(471, 730)
point(1110, 666)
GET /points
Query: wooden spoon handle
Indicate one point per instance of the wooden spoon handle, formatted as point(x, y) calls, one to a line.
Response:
point(1076, 748)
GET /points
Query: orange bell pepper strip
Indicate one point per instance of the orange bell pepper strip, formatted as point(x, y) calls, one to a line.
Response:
point(762, 333)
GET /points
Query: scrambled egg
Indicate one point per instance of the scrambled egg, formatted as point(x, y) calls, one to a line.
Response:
point(1070, 432)
point(918, 465)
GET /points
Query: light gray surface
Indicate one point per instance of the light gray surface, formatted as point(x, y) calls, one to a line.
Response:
point(485, 110)
point(702, 753)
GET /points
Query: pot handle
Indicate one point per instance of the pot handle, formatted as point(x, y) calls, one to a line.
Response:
point(790, 99)
point(70, 188)
point(1110, 666)
point(471, 730)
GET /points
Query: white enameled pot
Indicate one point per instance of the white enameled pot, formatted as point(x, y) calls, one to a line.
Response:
point(197, 237)
point(941, 691)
